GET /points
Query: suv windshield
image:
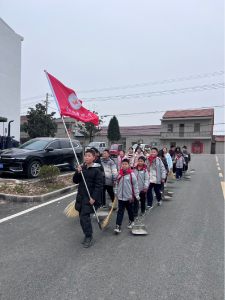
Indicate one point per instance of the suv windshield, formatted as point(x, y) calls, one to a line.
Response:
point(34, 145)
point(114, 147)
point(93, 144)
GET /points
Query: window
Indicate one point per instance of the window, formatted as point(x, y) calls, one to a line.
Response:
point(75, 145)
point(181, 130)
point(56, 128)
point(54, 145)
point(170, 127)
point(196, 127)
point(34, 145)
point(65, 144)
point(154, 144)
point(93, 144)
point(22, 128)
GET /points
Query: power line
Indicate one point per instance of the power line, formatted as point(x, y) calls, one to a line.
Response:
point(36, 97)
point(159, 93)
point(153, 82)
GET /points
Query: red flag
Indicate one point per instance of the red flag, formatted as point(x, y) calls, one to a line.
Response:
point(68, 103)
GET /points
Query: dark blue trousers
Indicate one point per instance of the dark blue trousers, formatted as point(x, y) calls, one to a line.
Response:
point(179, 172)
point(157, 191)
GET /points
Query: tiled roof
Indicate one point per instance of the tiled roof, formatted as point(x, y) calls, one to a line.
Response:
point(220, 138)
point(189, 113)
point(23, 118)
point(135, 130)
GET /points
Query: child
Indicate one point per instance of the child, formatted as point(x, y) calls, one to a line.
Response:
point(126, 189)
point(121, 157)
point(138, 154)
point(94, 181)
point(131, 155)
point(142, 173)
point(187, 158)
point(110, 169)
point(180, 162)
point(157, 175)
point(163, 159)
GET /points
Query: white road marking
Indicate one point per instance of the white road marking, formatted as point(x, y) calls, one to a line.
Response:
point(218, 164)
point(223, 188)
point(220, 175)
point(35, 207)
point(219, 168)
point(216, 158)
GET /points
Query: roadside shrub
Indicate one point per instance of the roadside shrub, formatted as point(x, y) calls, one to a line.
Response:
point(4, 187)
point(19, 188)
point(48, 173)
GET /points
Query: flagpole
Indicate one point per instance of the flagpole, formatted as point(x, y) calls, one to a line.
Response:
point(81, 171)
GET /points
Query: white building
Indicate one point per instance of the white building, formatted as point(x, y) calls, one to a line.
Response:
point(10, 78)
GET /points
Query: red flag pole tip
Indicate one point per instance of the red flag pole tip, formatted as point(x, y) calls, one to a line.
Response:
point(44, 70)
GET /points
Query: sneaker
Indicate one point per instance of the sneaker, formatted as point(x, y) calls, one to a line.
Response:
point(164, 184)
point(178, 179)
point(117, 229)
point(103, 206)
point(88, 241)
point(94, 216)
point(135, 218)
point(160, 202)
point(148, 207)
point(143, 213)
point(130, 224)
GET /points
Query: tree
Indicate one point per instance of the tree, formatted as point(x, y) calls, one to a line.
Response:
point(89, 130)
point(38, 123)
point(113, 133)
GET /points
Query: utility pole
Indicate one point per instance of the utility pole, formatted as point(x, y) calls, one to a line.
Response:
point(46, 103)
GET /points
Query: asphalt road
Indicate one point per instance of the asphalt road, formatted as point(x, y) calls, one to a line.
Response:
point(182, 257)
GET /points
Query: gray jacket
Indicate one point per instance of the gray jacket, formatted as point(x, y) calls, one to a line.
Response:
point(179, 162)
point(110, 170)
point(143, 179)
point(160, 170)
point(123, 188)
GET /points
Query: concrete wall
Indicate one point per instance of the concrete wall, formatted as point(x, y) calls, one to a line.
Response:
point(187, 142)
point(10, 78)
point(220, 147)
point(205, 127)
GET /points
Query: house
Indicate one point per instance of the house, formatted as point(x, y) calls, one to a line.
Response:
point(192, 128)
point(10, 79)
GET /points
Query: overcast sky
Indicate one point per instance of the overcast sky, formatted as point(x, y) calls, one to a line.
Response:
point(105, 43)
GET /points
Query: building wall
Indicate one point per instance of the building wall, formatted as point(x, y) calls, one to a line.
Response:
point(220, 148)
point(10, 78)
point(205, 127)
point(187, 143)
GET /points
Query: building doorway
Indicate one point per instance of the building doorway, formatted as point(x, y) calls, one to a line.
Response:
point(197, 148)
point(181, 130)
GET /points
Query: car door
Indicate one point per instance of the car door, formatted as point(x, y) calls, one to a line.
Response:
point(53, 157)
point(66, 152)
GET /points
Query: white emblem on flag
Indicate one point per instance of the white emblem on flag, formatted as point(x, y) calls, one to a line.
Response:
point(74, 101)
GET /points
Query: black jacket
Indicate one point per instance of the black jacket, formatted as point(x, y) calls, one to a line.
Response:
point(187, 156)
point(94, 180)
point(165, 164)
point(100, 167)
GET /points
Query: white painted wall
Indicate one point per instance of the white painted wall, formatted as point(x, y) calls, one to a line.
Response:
point(10, 78)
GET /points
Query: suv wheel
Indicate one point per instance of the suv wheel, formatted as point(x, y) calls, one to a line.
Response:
point(33, 169)
point(74, 164)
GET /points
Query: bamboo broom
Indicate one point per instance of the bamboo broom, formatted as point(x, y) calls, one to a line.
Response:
point(171, 174)
point(106, 222)
point(70, 210)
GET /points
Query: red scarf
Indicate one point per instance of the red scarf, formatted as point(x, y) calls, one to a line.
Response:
point(150, 158)
point(95, 158)
point(144, 168)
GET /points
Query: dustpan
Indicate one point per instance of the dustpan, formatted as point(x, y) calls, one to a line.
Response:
point(139, 229)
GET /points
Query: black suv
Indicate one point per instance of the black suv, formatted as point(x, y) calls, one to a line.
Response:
point(30, 156)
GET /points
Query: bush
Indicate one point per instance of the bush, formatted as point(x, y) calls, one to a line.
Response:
point(48, 173)
point(19, 188)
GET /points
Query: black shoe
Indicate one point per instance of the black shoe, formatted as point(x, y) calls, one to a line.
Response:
point(88, 241)
point(84, 239)
point(117, 229)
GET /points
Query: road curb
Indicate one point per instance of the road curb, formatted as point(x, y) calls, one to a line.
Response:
point(40, 198)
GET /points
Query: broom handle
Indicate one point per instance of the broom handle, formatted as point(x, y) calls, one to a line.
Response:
point(81, 171)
